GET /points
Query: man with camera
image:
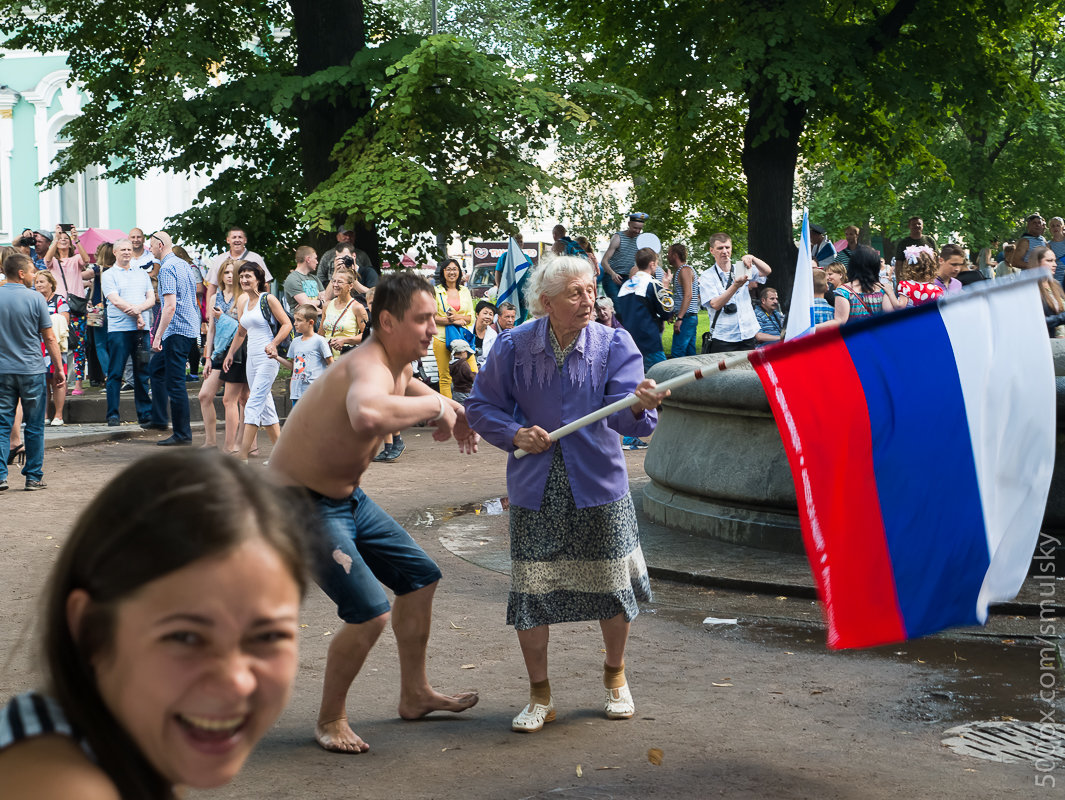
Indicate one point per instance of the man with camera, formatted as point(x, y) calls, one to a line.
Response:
point(366, 273)
point(725, 292)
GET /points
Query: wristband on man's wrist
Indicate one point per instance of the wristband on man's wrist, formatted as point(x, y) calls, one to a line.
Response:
point(439, 416)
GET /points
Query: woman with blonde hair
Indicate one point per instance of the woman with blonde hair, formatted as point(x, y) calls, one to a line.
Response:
point(1050, 291)
point(344, 318)
point(235, 380)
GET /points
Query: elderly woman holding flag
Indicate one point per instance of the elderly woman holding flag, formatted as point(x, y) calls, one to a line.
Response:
point(575, 548)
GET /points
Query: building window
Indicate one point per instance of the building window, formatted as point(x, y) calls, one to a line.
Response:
point(79, 198)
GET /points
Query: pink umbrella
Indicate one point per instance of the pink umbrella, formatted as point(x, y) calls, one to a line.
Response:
point(407, 261)
point(94, 237)
point(840, 244)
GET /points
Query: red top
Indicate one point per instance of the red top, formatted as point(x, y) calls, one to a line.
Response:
point(920, 292)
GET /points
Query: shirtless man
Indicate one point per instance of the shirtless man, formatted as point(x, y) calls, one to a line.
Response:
point(327, 443)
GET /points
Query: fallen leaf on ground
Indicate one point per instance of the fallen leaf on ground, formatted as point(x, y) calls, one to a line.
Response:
point(816, 691)
point(579, 771)
point(654, 755)
point(456, 627)
point(722, 685)
point(469, 666)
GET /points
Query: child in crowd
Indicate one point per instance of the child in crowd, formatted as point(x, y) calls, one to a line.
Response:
point(461, 370)
point(310, 353)
point(822, 310)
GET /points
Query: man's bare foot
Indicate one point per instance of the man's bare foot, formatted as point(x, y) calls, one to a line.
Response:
point(338, 737)
point(416, 708)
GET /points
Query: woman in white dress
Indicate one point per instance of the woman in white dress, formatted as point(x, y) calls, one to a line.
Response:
point(253, 308)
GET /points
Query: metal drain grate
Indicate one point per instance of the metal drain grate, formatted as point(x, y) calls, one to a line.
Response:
point(1008, 742)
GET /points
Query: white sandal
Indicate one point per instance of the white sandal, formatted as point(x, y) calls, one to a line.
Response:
point(533, 717)
point(619, 704)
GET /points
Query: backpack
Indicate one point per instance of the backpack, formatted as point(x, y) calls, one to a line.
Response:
point(275, 326)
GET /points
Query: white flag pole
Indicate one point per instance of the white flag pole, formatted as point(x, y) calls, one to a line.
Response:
point(631, 400)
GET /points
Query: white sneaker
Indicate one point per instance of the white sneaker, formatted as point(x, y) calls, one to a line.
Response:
point(56, 422)
point(533, 717)
point(619, 704)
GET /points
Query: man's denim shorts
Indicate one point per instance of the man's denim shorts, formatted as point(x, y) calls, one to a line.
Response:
point(359, 548)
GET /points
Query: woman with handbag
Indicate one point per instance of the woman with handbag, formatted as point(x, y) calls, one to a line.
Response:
point(69, 264)
point(454, 309)
point(57, 309)
point(344, 318)
point(221, 326)
point(265, 324)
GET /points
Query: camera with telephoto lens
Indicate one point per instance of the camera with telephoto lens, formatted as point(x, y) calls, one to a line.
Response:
point(347, 261)
point(729, 308)
point(26, 241)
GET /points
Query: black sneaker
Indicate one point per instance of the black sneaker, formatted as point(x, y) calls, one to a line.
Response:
point(385, 454)
point(33, 486)
point(397, 447)
point(3, 485)
point(126, 387)
point(113, 423)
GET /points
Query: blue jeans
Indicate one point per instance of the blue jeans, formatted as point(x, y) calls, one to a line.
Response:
point(32, 391)
point(611, 289)
point(650, 359)
point(359, 546)
point(99, 341)
point(120, 346)
point(684, 339)
point(167, 371)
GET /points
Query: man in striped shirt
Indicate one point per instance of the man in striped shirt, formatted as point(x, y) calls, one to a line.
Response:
point(686, 299)
point(179, 326)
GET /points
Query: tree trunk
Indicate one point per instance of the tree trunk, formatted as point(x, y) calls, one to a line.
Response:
point(328, 34)
point(769, 165)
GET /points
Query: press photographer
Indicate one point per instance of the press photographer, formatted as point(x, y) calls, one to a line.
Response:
point(725, 292)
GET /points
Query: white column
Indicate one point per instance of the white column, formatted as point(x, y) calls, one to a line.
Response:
point(8, 99)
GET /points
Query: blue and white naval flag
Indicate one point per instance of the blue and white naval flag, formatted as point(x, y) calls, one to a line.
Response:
point(511, 282)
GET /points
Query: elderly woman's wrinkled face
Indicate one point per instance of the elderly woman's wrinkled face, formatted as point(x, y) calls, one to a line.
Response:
point(573, 307)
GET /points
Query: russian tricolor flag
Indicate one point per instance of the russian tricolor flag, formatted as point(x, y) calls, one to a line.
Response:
point(921, 444)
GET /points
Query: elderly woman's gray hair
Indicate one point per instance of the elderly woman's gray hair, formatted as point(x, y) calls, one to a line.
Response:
point(551, 277)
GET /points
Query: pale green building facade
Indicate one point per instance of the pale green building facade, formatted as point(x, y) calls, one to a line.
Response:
point(35, 103)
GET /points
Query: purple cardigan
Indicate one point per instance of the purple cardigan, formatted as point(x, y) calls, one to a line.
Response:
point(520, 386)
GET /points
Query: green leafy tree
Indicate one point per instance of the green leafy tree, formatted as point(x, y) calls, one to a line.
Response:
point(306, 110)
point(985, 169)
point(761, 83)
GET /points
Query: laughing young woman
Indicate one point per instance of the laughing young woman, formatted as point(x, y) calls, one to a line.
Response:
point(170, 625)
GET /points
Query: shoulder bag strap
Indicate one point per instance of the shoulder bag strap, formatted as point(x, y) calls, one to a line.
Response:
point(340, 316)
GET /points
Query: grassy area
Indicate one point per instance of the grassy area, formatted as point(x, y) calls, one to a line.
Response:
point(704, 326)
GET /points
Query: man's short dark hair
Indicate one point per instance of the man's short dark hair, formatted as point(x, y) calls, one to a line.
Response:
point(16, 263)
point(482, 304)
point(232, 228)
point(950, 250)
point(347, 247)
point(679, 250)
point(394, 294)
point(645, 256)
point(911, 219)
point(719, 237)
point(505, 306)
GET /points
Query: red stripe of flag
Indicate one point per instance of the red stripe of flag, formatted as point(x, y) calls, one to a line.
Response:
point(820, 408)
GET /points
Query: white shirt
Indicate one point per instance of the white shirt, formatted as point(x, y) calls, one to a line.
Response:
point(730, 327)
point(216, 262)
point(144, 260)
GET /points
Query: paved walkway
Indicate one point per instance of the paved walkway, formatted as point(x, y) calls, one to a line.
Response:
point(479, 534)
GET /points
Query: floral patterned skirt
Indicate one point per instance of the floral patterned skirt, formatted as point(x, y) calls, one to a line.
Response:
point(570, 564)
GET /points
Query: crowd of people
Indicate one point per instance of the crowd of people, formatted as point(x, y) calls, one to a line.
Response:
point(129, 708)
